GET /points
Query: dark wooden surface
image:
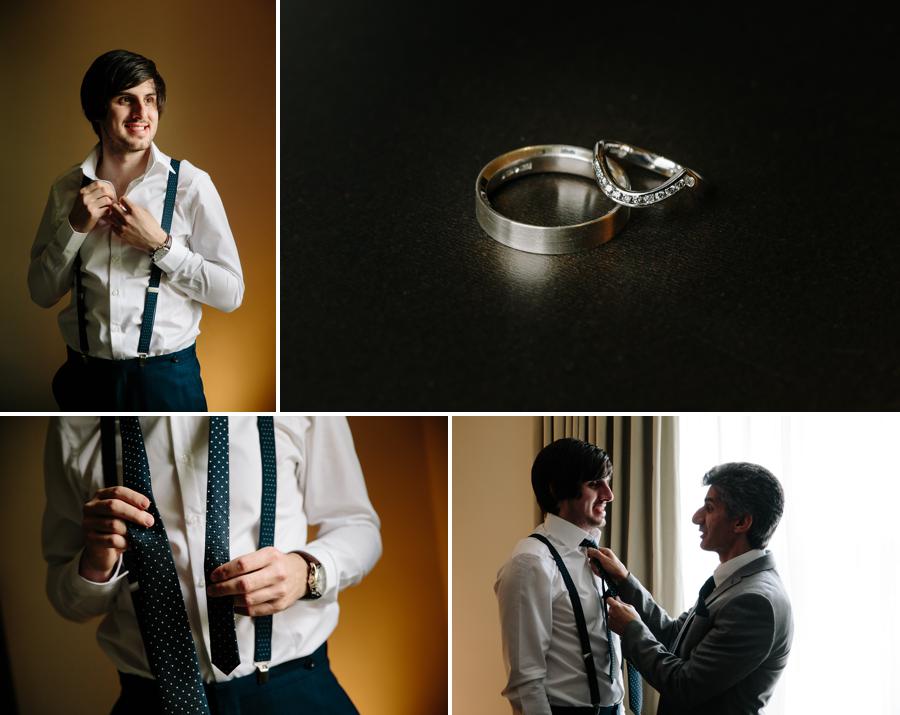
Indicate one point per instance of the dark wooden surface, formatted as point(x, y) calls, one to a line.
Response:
point(779, 292)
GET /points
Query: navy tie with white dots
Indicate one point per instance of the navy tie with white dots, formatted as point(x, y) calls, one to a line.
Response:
point(222, 639)
point(158, 604)
point(635, 686)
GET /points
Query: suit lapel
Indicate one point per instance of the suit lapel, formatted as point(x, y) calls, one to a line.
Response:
point(761, 564)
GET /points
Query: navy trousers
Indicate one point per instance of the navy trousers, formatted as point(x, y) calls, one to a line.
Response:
point(302, 686)
point(163, 383)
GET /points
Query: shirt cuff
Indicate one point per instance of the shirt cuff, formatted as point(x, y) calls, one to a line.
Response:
point(68, 240)
point(177, 255)
point(86, 588)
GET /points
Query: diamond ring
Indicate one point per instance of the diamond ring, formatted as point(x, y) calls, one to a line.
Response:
point(677, 177)
point(546, 158)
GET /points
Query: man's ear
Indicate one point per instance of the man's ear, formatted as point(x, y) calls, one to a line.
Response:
point(743, 524)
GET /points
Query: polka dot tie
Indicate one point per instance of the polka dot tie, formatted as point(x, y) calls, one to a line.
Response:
point(222, 639)
point(158, 604)
point(635, 686)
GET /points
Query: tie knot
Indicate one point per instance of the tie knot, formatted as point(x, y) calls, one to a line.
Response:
point(589, 543)
point(708, 587)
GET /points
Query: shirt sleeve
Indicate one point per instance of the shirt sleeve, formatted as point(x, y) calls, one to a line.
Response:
point(73, 597)
point(207, 268)
point(348, 543)
point(526, 622)
point(736, 643)
point(54, 249)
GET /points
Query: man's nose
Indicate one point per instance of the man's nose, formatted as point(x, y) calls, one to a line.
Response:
point(606, 492)
point(698, 516)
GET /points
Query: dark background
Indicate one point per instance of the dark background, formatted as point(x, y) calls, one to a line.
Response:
point(780, 291)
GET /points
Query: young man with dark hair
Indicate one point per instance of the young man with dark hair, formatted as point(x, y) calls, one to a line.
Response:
point(725, 655)
point(559, 655)
point(141, 241)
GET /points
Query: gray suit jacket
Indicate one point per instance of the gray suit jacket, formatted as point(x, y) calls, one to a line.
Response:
point(724, 664)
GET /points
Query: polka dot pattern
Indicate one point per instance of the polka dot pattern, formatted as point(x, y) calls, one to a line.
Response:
point(222, 639)
point(262, 651)
point(160, 610)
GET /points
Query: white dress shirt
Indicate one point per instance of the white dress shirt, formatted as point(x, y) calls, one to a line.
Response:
point(726, 570)
point(541, 647)
point(319, 483)
point(202, 266)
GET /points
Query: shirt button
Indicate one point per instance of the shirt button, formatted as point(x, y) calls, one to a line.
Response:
point(115, 259)
point(201, 583)
point(115, 292)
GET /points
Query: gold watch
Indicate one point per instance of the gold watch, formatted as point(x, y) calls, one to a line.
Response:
point(315, 577)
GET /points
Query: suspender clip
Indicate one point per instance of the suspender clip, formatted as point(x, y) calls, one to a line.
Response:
point(142, 357)
point(262, 672)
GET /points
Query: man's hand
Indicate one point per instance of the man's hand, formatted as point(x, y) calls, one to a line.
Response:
point(263, 582)
point(134, 225)
point(620, 614)
point(105, 531)
point(610, 563)
point(91, 204)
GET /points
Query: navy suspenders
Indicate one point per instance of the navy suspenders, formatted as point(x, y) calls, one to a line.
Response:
point(262, 651)
point(586, 653)
point(155, 271)
point(152, 293)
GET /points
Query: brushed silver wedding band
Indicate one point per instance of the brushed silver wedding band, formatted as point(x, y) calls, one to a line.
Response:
point(546, 158)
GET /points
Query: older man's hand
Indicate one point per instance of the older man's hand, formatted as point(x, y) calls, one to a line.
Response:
point(620, 614)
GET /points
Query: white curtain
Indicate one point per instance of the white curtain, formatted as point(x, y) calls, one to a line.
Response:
point(837, 548)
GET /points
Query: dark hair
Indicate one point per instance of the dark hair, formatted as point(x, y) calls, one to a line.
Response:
point(749, 489)
point(562, 467)
point(114, 72)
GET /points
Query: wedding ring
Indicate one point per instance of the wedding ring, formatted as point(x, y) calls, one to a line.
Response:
point(545, 158)
point(678, 177)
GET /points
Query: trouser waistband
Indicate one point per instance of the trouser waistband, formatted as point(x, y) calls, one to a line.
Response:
point(236, 687)
point(584, 710)
point(184, 354)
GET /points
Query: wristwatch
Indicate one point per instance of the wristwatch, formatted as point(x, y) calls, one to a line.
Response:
point(163, 250)
point(315, 577)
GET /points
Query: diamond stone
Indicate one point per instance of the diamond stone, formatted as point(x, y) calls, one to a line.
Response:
point(689, 180)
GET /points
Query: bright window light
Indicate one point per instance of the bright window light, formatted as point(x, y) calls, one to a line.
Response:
point(837, 547)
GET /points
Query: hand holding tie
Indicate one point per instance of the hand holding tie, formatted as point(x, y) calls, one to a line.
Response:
point(262, 582)
point(614, 568)
point(105, 531)
point(620, 615)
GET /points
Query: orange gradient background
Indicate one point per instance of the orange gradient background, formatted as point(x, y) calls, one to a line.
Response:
point(218, 60)
point(390, 647)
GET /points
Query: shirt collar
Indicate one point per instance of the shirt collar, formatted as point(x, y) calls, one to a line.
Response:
point(725, 571)
point(569, 534)
point(158, 160)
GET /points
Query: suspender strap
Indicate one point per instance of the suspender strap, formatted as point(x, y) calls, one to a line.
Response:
point(155, 271)
point(108, 451)
point(111, 478)
point(262, 651)
point(80, 309)
point(583, 636)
